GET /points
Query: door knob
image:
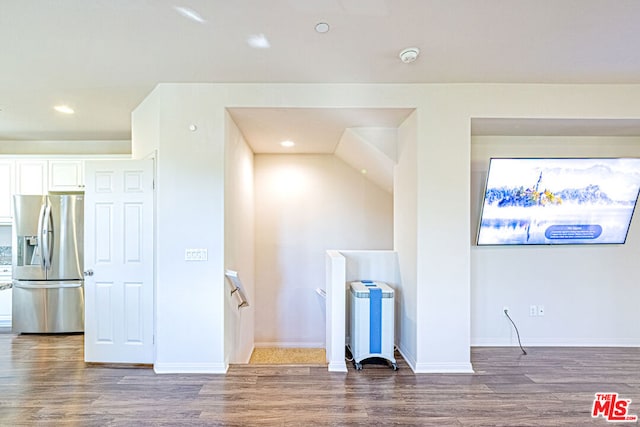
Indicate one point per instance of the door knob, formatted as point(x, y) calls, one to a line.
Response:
point(88, 273)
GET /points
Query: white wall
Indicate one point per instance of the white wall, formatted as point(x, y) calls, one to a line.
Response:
point(189, 214)
point(146, 127)
point(442, 259)
point(239, 238)
point(189, 296)
point(405, 232)
point(305, 205)
point(589, 293)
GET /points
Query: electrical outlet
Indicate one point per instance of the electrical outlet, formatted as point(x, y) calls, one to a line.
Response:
point(533, 310)
point(541, 310)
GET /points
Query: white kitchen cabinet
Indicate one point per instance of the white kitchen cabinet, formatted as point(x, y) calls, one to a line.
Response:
point(31, 177)
point(6, 190)
point(5, 296)
point(5, 308)
point(66, 175)
point(39, 175)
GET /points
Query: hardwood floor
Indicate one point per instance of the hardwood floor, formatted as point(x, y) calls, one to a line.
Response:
point(44, 382)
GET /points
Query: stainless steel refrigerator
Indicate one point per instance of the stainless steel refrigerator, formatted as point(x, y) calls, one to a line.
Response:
point(48, 282)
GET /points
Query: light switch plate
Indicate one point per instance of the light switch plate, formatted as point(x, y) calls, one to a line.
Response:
point(195, 255)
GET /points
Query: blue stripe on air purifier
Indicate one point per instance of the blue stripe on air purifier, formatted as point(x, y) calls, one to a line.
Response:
point(375, 320)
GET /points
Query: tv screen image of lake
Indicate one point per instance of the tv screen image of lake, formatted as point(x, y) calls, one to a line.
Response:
point(560, 201)
point(555, 225)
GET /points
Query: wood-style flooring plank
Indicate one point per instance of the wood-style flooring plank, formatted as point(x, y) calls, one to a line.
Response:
point(45, 382)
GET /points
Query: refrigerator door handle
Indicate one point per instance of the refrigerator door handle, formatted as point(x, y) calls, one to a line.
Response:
point(41, 234)
point(45, 284)
point(46, 243)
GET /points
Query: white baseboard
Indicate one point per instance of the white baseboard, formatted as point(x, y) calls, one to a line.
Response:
point(248, 359)
point(405, 355)
point(557, 342)
point(190, 368)
point(444, 368)
point(287, 344)
point(337, 366)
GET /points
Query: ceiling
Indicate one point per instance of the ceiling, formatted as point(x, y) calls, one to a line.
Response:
point(313, 130)
point(102, 57)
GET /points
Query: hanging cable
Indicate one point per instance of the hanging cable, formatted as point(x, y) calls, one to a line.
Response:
point(516, 328)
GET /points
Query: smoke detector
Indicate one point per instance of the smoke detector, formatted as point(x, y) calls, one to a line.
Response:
point(409, 54)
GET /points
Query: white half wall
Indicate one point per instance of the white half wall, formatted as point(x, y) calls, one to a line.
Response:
point(335, 279)
point(589, 293)
point(342, 268)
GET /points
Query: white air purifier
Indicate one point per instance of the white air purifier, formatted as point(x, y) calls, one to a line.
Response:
point(371, 322)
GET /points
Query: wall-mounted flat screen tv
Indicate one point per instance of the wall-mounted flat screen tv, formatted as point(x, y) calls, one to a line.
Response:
point(558, 201)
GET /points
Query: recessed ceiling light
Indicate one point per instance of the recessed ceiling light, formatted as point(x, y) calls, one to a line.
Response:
point(287, 143)
point(190, 14)
point(322, 27)
point(363, 171)
point(64, 109)
point(258, 41)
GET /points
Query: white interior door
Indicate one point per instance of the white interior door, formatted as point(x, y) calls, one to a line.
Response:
point(118, 262)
